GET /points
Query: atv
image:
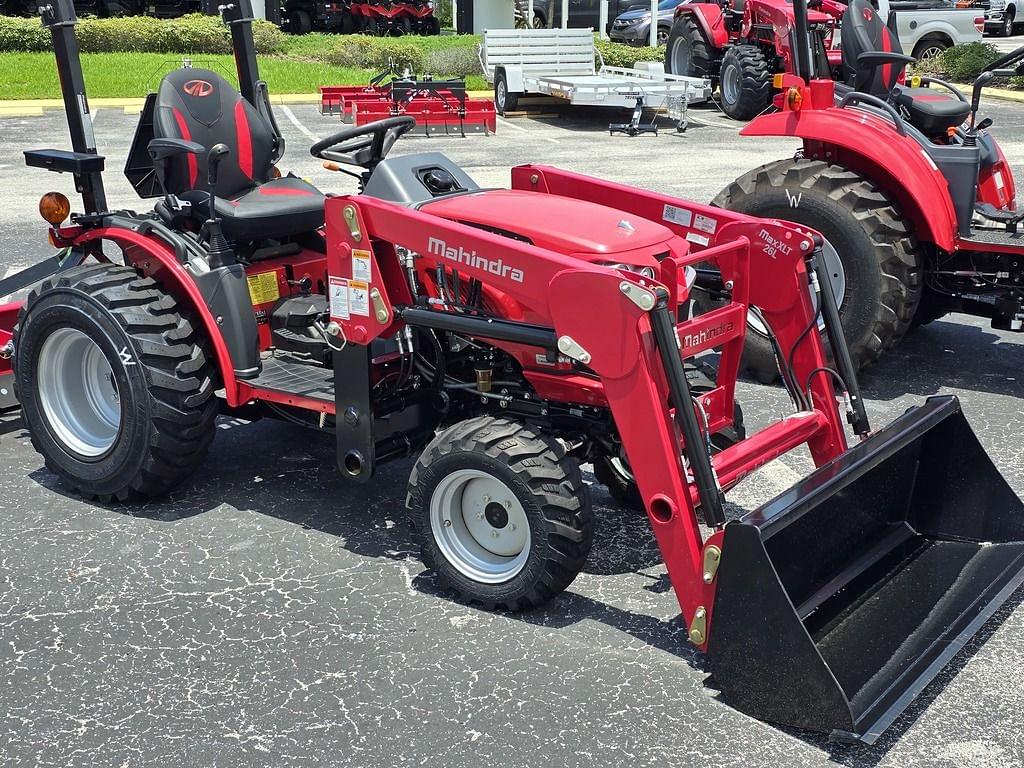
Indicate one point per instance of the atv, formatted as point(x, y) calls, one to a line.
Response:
point(907, 184)
point(428, 318)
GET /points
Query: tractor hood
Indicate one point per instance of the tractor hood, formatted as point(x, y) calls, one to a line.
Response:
point(559, 224)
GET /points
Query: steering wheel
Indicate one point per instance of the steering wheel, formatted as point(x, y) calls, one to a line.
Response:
point(365, 145)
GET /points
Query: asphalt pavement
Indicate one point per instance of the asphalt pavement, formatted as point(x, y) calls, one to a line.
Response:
point(269, 614)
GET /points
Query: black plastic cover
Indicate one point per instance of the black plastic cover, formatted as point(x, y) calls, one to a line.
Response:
point(64, 161)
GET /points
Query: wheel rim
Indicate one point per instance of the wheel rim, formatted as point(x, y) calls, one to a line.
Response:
point(78, 393)
point(480, 526)
point(1008, 26)
point(730, 85)
point(501, 94)
point(931, 52)
point(681, 57)
point(662, 37)
point(836, 273)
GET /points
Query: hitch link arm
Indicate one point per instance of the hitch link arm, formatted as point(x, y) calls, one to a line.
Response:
point(712, 500)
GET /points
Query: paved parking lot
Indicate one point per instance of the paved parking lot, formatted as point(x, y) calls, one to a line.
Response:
point(268, 614)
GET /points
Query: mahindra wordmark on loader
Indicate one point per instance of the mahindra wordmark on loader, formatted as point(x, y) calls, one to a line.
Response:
point(428, 317)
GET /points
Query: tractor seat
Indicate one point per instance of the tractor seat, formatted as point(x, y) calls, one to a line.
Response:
point(931, 112)
point(199, 105)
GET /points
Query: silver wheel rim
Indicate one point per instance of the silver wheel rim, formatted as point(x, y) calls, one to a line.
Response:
point(931, 52)
point(838, 276)
point(78, 393)
point(501, 95)
point(681, 57)
point(730, 85)
point(662, 37)
point(480, 526)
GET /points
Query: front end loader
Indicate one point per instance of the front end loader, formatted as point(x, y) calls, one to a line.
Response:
point(426, 317)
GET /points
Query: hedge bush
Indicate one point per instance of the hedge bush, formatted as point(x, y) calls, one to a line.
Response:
point(194, 33)
point(961, 63)
point(620, 55)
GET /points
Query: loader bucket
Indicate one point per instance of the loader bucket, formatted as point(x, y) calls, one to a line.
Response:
point(839, 600)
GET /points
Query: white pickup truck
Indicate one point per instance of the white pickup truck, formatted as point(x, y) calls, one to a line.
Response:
point(927, 28)
point(1000, 16)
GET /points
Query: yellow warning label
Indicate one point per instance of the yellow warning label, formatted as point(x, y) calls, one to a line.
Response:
point(263, 288)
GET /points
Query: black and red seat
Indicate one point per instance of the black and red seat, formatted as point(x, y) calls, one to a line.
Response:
point(202, 107)
point(863, 33)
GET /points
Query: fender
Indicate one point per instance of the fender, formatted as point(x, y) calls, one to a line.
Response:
point(158, 261)
point(709, 19)
point(868, 145)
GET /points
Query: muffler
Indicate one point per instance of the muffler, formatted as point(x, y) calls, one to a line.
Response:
point(839, 600)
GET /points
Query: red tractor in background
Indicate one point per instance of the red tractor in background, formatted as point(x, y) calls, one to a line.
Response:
point(742, 44)
point(908, 186)
point(377, 17)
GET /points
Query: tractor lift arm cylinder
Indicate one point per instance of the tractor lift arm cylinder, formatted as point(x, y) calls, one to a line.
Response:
point(712, 501)
point(837, 339)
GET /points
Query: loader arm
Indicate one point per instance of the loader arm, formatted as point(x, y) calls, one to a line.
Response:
point(618, 340)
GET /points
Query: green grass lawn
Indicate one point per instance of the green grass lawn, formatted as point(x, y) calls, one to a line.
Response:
point(34, 75)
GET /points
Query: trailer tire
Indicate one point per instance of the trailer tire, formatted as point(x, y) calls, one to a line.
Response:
point(134, 414)
point(880, 259)
point(614, 473)
point(687, 52)
point(504, 100)
point(534, 494)
point(745, 82)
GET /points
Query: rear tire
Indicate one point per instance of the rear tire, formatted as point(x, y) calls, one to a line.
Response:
point(687, 52)
point(301, 23)
point(614, 473)
point(745, 82)
point(930, 47)
point(1008, 21)
point(504, 100)
point(139, 416)
point(879, 257)
point(348, 23)
point(502, 513)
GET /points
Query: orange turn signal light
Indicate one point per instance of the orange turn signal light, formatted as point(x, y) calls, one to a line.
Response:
point(794, 99)
point(54, 207)
point(777, 79)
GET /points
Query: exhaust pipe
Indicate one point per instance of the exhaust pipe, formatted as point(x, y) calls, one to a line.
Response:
point(838, 601)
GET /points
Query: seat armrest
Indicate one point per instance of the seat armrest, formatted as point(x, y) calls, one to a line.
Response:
point(62, 161)
point(161, 149)
point(885, 57)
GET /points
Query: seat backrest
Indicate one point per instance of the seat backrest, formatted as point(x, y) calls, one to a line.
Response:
point(201, 106)
point(864, 31)
point(539, 51)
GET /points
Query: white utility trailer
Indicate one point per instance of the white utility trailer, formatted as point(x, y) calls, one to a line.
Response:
point(563, 63)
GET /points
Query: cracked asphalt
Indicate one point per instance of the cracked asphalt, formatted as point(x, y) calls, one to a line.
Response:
point(269, 614)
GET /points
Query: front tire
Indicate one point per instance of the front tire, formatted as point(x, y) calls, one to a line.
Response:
point(881, 263)
point(502, 513)
point(114, 384)
point(686, 51)
point(745, 82)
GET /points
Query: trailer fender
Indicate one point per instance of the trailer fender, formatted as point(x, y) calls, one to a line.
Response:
point(513, 78)
point(156, 260)
point(711, 21)
point(898, 165)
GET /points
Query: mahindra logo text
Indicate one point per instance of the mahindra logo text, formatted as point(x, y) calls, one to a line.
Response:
point(707, 334)
point(470, 258)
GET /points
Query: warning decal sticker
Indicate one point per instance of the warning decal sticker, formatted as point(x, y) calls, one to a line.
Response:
point(263, 288)
point(339, 298)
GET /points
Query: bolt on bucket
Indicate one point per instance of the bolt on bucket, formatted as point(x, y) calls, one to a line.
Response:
point(839, 600)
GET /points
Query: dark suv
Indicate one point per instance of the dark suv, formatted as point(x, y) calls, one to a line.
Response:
point(582, 13)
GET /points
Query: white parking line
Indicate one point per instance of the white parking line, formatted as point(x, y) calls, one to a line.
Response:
point(728, 124)
point(513, 126)
point(295, 121)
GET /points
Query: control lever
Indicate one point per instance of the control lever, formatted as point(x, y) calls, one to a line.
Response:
point(217, 245)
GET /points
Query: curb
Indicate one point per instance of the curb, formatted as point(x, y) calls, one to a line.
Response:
point(993, 93)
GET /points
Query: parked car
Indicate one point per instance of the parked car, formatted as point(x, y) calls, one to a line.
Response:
point(1000, 17)
point(582, 13)
point(926, 28)
point(634, 26)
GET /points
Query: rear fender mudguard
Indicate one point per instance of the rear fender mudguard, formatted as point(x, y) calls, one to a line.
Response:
point(710, 19)
point(156, 260)
point(869, 145)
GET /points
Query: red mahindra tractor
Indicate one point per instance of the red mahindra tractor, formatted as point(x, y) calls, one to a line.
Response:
point(742, 44)
point(428, 317)
point(906, 183)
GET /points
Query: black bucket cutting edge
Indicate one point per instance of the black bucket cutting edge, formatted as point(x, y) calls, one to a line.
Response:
point(838, 601)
